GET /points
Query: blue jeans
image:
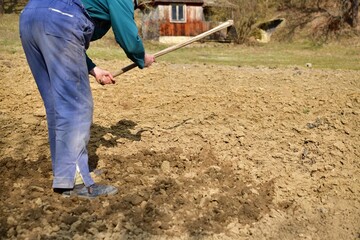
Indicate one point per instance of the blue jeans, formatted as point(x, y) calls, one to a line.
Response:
point(55, 35)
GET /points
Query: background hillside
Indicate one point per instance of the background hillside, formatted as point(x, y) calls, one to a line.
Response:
point(319, 21)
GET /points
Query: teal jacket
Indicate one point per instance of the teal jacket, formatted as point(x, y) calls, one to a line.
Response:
point(118, 14)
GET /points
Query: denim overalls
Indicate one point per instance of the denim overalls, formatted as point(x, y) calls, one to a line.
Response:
point(55, 35)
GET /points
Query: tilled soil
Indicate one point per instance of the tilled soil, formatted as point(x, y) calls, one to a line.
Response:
point(197, 152)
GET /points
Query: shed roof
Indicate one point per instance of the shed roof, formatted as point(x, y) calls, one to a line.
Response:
point(205, 3)
point(219, 3)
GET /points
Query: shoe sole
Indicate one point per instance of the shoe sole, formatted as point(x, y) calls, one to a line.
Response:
point(90, 197)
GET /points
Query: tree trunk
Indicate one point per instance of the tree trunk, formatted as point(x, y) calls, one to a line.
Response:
point(354, 12)
point(1, 6)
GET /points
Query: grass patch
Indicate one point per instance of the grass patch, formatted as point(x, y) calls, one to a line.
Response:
point(9, 34)
point(274, 54)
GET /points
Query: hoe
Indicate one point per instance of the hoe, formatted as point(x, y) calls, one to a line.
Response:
point(177, 46)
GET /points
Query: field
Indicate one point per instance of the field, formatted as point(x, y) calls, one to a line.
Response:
point(214, 141)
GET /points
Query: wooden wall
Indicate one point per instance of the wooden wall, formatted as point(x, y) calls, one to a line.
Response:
point(193, 26)
point(156, 23)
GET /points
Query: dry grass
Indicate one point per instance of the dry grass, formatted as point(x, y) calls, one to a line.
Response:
point(334, 55)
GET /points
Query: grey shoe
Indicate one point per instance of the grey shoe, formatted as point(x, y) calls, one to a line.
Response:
point(93, 191)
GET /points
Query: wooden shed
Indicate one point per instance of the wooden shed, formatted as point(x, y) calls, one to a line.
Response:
point(173, 20)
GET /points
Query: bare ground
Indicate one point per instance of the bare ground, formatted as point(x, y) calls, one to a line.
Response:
point(197, 152)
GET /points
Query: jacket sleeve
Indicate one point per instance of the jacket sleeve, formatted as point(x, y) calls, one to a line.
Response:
point(90, 64)
point(126, 31)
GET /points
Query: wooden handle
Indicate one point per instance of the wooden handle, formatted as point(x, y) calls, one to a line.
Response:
point(177, 46)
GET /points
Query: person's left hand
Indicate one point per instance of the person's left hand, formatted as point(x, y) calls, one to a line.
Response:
point(102, 76)
point(149, 59)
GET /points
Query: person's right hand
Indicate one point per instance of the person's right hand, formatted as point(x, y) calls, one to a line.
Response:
point(102, 76)
point(149, 59)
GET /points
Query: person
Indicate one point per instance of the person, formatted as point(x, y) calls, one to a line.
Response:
point(55, 35)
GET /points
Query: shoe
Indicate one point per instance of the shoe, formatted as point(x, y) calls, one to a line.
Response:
point(91, 192)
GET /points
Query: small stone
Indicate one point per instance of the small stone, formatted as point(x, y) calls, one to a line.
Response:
point(143, 204)
point(254, 191)
point(39, 112)
point(340, 146)
point(130, 169)
point(11, 221)
point(38, 201)
point(36, 189)
point(165, 167)
point(106, 204)
point(138, 164)
point(136, 200)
